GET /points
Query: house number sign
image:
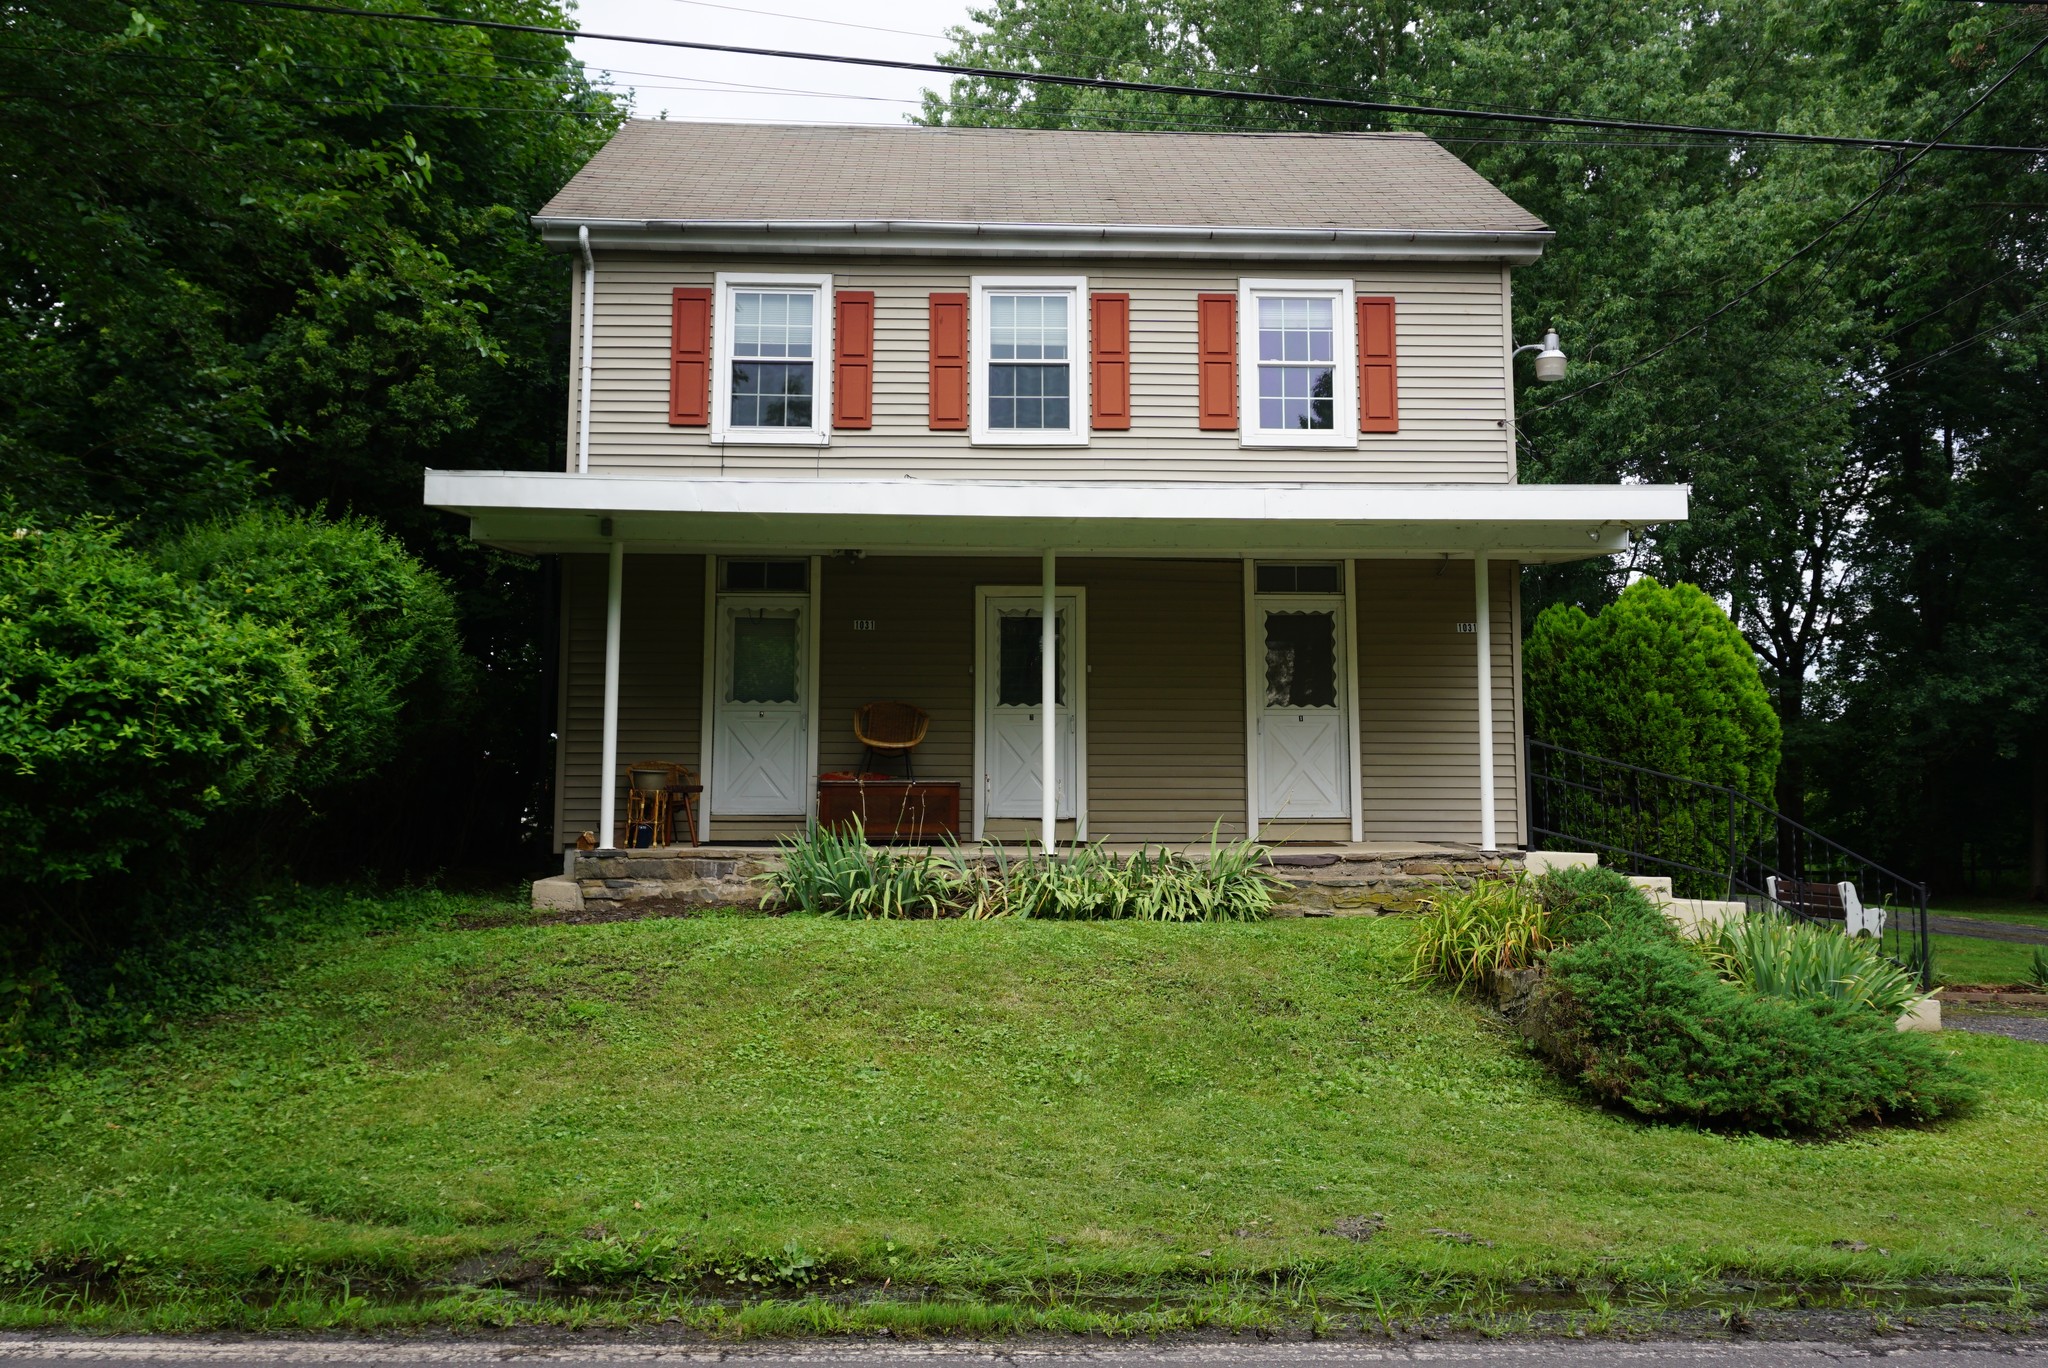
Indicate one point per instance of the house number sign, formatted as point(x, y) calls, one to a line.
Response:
point(863, 624)
point(1469, 628)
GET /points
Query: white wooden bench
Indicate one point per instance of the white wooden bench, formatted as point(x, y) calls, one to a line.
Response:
point(1827, 902)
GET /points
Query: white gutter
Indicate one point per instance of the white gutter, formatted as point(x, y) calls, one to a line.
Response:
point(1086, 239)
point(589, 320)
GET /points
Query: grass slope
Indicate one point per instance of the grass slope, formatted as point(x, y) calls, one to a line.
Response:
point(995, 1110)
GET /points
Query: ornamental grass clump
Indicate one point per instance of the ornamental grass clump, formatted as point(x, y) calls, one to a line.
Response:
point(1095, 884)
point(838, 873)
point(1467, 936)
point(1774, 956)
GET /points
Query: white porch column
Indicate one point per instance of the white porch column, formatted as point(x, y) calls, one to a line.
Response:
point(608, 750)
point(1048, 703)
point(1483, 626)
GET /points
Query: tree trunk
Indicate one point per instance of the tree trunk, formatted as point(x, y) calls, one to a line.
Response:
point(1791, 786)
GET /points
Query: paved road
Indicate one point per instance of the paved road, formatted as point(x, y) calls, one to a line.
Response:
point(1983, 928)
point(1992, 1021)
point(1971, 1352)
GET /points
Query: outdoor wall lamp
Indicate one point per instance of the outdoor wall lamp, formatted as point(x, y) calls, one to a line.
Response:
point(1549, 359)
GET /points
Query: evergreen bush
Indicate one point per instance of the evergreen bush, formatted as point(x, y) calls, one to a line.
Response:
point(1641, 1020)
point(1661, 679)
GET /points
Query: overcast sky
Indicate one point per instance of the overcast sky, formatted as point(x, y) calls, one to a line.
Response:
point(702, 85)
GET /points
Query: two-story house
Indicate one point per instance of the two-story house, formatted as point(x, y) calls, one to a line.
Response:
point(1171, 475)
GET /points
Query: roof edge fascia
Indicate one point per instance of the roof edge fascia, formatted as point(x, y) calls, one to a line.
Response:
point(934, 238)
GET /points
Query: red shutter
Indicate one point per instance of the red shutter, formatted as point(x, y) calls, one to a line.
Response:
point(689, 360)
point(1216, 355)
point(1379, 409)
point(853, 359)
point(949, 362)
point(1109, 385)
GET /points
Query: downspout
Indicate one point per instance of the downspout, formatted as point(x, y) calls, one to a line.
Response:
point(589, 318)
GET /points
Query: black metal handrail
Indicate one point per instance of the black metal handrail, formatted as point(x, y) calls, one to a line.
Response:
point(1713, 841)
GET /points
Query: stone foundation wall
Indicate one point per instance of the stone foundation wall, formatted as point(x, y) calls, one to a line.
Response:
point(1314, 883)
point(1370, 883)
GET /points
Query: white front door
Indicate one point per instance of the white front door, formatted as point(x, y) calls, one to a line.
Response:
point(760, 747)
point(1013, 740)
point(1301, 710)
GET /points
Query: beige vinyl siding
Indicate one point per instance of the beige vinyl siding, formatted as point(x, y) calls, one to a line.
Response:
point(1165, 689)
point(1452, 380)
point(1418, 700)
point(1165, 686)
point(1165, 698)
point(921, 651)
point(661, 654)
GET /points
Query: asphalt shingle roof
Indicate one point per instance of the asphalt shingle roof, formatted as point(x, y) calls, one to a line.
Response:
point(663, 171)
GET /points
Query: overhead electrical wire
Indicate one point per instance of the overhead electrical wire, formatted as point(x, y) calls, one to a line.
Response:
point(1140, 87)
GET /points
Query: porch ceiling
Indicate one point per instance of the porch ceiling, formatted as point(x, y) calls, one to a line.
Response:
point(555, 512)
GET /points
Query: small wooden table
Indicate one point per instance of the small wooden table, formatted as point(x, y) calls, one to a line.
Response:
point(892, 809)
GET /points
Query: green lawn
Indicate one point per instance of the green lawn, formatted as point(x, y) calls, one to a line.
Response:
point(1965, 959)
point(997, 1113)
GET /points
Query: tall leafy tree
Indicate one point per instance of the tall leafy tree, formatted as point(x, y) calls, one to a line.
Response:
point(1790, 411)
point(256, 256)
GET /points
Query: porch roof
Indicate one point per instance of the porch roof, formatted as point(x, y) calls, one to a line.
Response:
point(540, 512)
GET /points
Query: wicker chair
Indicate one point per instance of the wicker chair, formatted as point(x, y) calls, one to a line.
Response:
point(889, 729)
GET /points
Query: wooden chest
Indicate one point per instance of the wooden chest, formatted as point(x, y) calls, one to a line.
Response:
point(926, 810)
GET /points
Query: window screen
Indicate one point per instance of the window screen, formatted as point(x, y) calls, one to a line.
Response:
point(772, 358)
point(763, 660)
point(1297, 364)
point(1029, 372)
point(1018, 658)
point(1301, 660)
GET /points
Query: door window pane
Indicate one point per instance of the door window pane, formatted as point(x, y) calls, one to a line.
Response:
point(1017, 663)
point(1301, 660)
point(1297, 363)
point(763, 660)
point(772, 358)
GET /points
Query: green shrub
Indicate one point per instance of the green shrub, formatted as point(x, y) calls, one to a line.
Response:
point(1662, 679)
point(1464, 938)
point(377, 629)
point(2037, 968)
point(1776, 957)
point(1641, 1021)
point(133, 707)
point(1589, 900)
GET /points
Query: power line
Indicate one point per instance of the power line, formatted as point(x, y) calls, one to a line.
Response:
point(1140, 87)
point(1882, 186)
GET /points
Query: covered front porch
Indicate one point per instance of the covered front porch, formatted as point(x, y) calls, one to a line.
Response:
point(1335, 665)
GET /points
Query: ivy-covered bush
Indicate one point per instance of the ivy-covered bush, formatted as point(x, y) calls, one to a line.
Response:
point(170, 714)
point(1662, 679)
point(133, 706)
point(376, 628)
point(1641, 1020)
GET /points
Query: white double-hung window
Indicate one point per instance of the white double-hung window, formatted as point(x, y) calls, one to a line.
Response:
point(1297, 362)
point(1030, 342)
point(772, 359)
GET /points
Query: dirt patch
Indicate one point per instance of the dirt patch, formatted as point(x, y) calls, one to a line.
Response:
point(2000, 994)
point(596, 914)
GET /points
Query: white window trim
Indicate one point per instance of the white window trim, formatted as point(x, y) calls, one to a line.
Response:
point(1079, 355)
point(819, 433)
point(1345, 417)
